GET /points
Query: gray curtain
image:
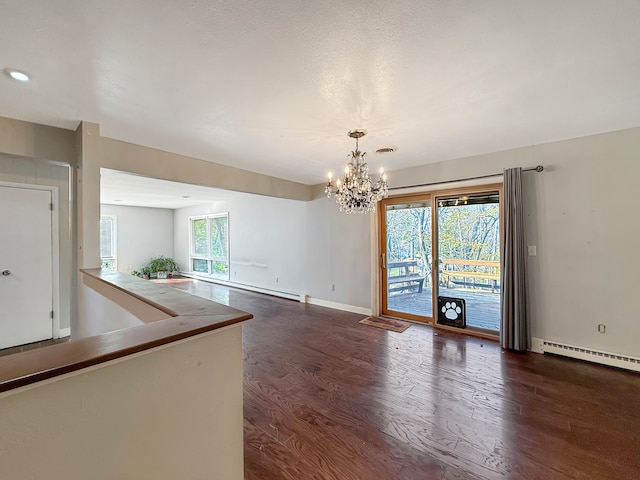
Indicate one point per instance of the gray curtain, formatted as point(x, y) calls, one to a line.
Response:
point(515, 333)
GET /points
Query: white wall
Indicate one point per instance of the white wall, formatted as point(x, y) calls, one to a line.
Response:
point(142, 233)
point(339, 254)
point(308, 246)
point(268, 240)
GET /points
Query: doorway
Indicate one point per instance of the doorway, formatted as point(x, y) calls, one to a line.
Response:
point(407, 240)
point(441, 258)
point(26, 264)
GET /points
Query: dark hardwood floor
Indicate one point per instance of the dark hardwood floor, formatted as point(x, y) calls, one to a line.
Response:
point(328, 398)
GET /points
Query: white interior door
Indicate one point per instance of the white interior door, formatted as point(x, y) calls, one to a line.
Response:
point(26, 266)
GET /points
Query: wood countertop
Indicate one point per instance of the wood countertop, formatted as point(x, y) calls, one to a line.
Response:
point(189, 316)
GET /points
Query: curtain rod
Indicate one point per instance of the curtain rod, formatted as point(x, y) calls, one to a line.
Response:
point(538, 169)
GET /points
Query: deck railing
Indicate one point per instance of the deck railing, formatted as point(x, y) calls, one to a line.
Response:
point(467, 273)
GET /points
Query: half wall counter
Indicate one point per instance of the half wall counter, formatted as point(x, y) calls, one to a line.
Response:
point(151, 389)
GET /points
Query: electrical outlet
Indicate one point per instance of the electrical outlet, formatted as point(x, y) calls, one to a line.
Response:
point(532, 250)
point(276, 279)
point(602, 328)
point(332, 288)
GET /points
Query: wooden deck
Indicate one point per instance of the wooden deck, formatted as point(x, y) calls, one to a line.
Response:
point(483, 307)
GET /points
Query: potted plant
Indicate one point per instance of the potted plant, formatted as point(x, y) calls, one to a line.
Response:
point(162, 266)
point(146, 273)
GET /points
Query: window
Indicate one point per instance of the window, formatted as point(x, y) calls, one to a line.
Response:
point(108, 242)
point(210, 245)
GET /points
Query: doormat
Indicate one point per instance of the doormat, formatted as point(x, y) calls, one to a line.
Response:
point(386, 323)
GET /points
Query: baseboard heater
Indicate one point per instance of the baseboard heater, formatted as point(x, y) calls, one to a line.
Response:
point(300, 297)
point(581, 353)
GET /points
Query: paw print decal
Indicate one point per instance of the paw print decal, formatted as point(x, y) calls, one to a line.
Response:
point(451, 310)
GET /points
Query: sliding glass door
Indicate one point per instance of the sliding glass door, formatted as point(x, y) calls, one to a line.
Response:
point(468, 245)
point(440, 258)
point(407, 258)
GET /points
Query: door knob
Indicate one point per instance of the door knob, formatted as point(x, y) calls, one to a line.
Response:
point(6, 273)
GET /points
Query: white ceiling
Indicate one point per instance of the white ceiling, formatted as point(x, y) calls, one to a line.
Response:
point(273, 87)
point(118, 188)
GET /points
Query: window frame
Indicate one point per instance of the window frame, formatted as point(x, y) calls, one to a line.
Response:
point(435, 197)
point(209, 257)
point(110, 262)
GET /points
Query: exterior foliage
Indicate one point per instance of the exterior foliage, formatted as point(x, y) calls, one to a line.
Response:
point(210, 245)
point(467, 232)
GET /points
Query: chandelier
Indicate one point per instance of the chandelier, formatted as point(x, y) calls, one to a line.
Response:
point(356, 192)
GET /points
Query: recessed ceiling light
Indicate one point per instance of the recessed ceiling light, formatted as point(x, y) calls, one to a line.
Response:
point(117, 200)
point(18, 75)
point(186, 196)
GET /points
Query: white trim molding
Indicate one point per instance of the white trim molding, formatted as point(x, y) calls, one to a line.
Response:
point(300, 297)
point(64, 332)
point(55, 249)
point(541, 345)
point(339, 306)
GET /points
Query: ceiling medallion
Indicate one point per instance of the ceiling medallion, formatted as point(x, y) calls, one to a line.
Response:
point(356, 193)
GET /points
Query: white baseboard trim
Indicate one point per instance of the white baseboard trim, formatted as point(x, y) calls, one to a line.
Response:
point(537, 345)
point(64, 332)
point(338, 306)
point(541, 345)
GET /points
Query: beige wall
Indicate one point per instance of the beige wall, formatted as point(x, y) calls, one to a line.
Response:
point(87, 191)
point(150, 162)
point(581, 216)
point(42, 155)
point(166, 414)
point(25, 139)
point(112, 309)
point(85, 151)
point(578, 211)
